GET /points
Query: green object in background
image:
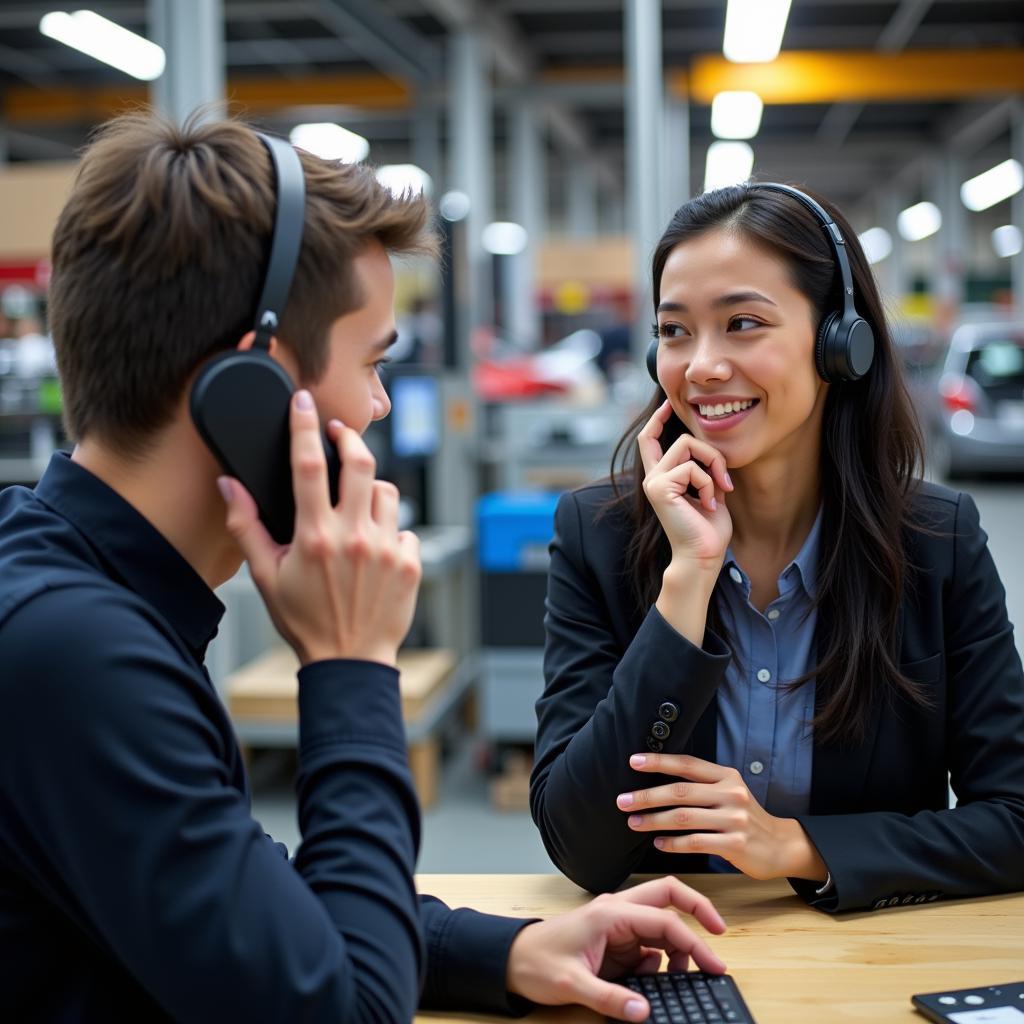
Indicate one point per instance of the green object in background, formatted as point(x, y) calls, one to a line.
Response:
point(49, 397)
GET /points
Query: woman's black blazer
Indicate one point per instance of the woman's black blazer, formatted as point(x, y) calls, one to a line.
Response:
point(879, 811)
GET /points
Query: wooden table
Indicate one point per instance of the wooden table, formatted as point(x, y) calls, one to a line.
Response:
point(795, 965)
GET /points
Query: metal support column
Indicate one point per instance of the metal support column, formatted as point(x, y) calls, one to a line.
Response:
point(426, 140)
point(644, 123)
point(891, 272)
point(675, 175)
point(528, 203)
point(951, 243)
point(582, 199)
point(1017, 208)
point(192, 35)
point(470, 166)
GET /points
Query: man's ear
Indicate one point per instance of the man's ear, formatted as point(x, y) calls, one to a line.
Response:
point(278, 352)
point(247, 339)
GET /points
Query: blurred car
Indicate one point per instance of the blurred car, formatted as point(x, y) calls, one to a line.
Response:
point(974, 417)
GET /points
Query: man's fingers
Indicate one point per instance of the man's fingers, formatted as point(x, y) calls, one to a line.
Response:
point(663, 929)
point(358, 467)
point(608, 999)
point(385, 506)
point(309, 466)
point(669, 891)
point(250, 534)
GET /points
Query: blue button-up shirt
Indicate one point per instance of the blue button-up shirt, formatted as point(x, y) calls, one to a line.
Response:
point(764, 730)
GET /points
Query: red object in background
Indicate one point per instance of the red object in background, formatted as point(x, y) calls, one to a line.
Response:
point(34, 274)
point(516, 378)
point(958, 393)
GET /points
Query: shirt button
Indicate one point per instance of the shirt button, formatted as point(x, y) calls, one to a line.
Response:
point(756, 767)
point(737, 576)
point(764, 675)
point(773, 614)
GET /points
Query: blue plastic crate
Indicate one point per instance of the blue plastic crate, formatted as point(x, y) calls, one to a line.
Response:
point(514, 530)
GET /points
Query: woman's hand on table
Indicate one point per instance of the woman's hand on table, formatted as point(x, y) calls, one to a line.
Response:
point(720, 816)
point(570, 958)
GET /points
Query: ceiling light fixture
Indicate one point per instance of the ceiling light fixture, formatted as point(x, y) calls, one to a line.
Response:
point(993, 186)
point(728, 163)
point(919, 221)
point(736, 115)
point(106, 41)
point(754, 30)
point(330, 141)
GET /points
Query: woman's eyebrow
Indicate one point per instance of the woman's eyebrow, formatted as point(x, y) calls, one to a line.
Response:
point(732, 299)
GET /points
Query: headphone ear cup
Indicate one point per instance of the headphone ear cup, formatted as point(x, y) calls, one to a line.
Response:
point(652, 361)
point(823, 345)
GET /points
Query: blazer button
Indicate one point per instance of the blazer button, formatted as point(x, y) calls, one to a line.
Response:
point(660, 731)
point(668, 712)
point(880, 904)
point(655, 746)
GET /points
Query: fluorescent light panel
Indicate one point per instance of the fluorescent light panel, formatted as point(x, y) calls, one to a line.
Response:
point(728, 163)
point(330, 142)
point(920, 221)
point(876, 243)
point(754, 29)
point(1007, 240)
point(106, 41)
point(401, 179)
point(993, 186)
point(736, 115)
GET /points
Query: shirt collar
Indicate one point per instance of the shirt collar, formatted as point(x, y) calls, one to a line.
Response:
point(803, 568)
point(133, 549)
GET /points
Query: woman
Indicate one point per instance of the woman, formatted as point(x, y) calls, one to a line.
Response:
point(769, 645)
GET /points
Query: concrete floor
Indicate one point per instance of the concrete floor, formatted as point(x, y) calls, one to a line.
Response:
point(463, 833)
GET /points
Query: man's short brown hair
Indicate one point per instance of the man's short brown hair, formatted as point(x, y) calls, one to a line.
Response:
point(159, 256)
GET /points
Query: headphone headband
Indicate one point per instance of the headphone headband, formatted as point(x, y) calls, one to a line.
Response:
point(832, 232)
point(289, 221)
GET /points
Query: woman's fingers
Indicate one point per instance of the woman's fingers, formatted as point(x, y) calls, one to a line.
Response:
point(683, 765)
point(691, 819)
point(648, 440)
point(688, 447)
point(689, 474)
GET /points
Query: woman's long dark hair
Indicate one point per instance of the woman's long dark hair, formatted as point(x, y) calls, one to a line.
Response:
point(872, 452)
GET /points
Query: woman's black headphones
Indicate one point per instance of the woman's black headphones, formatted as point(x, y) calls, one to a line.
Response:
point(845, 344)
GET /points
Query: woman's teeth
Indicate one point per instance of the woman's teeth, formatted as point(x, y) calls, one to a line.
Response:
point(724, 409)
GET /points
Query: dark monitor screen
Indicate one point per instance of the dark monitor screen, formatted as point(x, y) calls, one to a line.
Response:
point(415, 415)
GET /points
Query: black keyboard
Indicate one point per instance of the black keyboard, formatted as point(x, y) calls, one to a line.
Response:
point(690, 997)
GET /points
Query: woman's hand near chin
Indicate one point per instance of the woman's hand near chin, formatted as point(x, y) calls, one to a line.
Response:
point(698, 529)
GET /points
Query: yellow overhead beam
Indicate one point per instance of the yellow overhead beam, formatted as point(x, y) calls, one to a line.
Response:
point(26, 104)
point(805, 76)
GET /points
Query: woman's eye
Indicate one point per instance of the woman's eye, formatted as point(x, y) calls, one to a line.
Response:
point(736, 324)
point(670, 330)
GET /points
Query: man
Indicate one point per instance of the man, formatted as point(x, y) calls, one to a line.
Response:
point(134, 883)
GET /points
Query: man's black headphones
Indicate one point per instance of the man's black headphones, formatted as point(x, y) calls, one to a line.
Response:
point(845, 344)
point(239, 401)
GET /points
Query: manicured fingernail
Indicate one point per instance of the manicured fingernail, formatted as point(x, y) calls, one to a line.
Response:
point(635, 820)
point(224, 486)
point(624, 799)
point(714, 505)
point(638, 760)
point(335, 424)
point(635, 1010)
point(728, 480)
point(660, 843)
point(303, 400)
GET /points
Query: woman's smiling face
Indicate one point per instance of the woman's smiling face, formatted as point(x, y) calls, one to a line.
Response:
point(736, 349)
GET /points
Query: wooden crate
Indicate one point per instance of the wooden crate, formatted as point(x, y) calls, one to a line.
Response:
point(266, 691)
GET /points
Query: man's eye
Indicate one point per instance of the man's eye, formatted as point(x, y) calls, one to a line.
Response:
point(380, 364)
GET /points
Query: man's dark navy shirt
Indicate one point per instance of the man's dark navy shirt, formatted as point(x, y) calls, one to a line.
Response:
point(134, 882)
